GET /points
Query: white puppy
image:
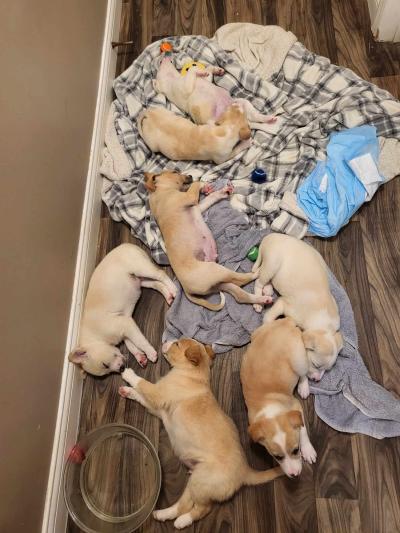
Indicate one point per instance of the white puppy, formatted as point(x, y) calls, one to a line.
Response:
point(299, 274)
point(107, 320)
point(202, 100)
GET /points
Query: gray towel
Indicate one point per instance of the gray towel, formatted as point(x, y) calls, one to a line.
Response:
point(346, 398)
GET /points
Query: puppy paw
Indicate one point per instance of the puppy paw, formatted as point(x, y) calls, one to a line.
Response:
point(163, 514)
point(130, 377)
point(183, 521)
point(308, 453)
point(166, 346)
point(218, 71)
point(303, 389)
point(152, 355)
point(202, 74)
point(268, 290)
point(229, 188)
point(170, 298)
point(264, 299)
point(225, 191)
point(207, 188)
point(125, 392)
point(270, 119)
point(258, 308)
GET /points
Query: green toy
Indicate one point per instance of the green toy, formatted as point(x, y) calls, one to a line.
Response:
point(252, 254)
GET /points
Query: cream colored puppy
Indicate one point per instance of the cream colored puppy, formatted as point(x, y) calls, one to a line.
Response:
point(190, 245)
point(179, 139)
point(196, 95)
point(201, 434)
point(299, 274)
point(271, 368)
point(107, 320)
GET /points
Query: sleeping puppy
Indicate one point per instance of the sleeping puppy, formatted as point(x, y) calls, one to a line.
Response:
point(195, 95)
point(271, 368)
point(179, 139)
point(203, 437)
point(112, 294)
point(190, 246)
point(299, 274)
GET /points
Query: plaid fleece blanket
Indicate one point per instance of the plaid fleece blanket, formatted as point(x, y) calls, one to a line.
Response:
point(311, 98)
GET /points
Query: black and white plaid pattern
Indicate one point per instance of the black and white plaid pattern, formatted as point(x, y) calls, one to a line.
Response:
point(311, 97)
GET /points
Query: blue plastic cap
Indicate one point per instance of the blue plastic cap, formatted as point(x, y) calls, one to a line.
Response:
point(258, 175)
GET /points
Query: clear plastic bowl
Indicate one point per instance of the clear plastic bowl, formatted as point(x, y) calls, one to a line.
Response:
point(112, 479)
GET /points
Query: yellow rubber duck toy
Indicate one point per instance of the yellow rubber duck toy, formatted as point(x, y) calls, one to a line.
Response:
point(190, 65)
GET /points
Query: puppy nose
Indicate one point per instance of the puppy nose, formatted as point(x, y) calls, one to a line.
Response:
point(189, 179)
point(122, 368)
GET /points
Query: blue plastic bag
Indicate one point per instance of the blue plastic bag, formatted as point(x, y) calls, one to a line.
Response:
point(337, 187)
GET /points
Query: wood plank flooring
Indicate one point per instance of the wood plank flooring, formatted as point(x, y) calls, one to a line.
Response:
point(355, 485)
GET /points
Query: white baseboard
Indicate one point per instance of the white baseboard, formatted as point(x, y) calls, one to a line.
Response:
point(373, 8)
point(55, 513)
point(385, 20)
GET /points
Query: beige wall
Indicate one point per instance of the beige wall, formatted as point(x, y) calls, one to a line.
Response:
point(49, 58)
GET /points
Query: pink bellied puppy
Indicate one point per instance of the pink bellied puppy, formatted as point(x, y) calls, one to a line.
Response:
point(202, 100)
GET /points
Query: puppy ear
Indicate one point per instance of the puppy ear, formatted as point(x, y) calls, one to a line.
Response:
point(193, 354)
point(309, 340)
point(295, 419)
point(210, 351)
point(255, 431)
point(77, 355)
point(339, 341)
point(150, 181)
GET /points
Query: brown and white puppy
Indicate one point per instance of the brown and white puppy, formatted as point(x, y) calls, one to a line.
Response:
point(112, 294)
point(203, 437)
point(196, 95)
point(299, 274)
point(271, 368)
point(178, 138)
point(189, 243)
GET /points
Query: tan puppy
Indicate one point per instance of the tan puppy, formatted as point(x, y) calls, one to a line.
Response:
point(179, 139)
point(190, 245)
point(299, 275)
point(271, 368)
point(201, 434)
point(112, 294)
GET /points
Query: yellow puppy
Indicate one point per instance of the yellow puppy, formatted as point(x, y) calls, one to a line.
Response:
point(190, 245)
point(271, 368)
point(202, 435)
point(179, 139)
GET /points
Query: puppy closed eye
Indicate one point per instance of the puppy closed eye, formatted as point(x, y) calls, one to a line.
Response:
point(106, 366)
point(317, 367)
point(295, 451)
point(279, 457)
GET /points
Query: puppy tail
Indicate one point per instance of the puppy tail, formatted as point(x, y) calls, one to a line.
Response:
point(257, 477)
point(204, 303)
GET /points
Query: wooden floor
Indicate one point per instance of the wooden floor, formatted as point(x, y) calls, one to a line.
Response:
point(355, 485)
